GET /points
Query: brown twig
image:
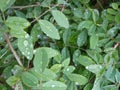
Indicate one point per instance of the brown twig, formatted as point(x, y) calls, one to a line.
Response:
point(12, 50)
point(28, 6)
point(116, 45)
point(63, 6)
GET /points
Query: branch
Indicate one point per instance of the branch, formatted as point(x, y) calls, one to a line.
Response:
point(12, 50)
point(28, 6)
point(43, 14)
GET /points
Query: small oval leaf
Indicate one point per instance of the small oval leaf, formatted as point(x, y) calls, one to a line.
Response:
point(60, 18)
point(49, 29)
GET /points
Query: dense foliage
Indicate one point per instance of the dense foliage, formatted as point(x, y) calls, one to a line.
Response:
point(59, 45)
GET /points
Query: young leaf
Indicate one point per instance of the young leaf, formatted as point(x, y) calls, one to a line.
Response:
point(26, 47)
point(5, 4)
point(93, 41)
point(29, 79)
point(12, 80)
point(54, 85)
point(85, 61)
point(81, 80)
point(49, 29)
point(60, 18)
point(17, 23)
point(56, 68)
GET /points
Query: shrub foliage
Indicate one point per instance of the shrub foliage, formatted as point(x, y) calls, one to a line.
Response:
point(59, 45)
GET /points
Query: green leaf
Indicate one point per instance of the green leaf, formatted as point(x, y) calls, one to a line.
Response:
point(111, 11)
point(84, 24)
point(46, 3)
point(49, 29)
point(29, 79)
point(117, 76)
point(18, 33)
point(48, 75)
point(117, 18)
point(68, 69)
point(66, 62)
point(66, 36)
point(110, 74)
point(85, 1)
point(61, 2)
point(85, 60)
point(94, 68)
point(60, 18)
point(113, 31)
point(81, 80)
point(82, 38)
point(12, 80)
point(95, 15)
point(110, 87)
point(76, 55)
point(5, 4)
point(41, 60)
point(56, 68)
point(17, 23)
point(88, 87)
point(97, 83)
point(114, 5)
point(50, 52)
point(92, 29)
point(2, 39)
point(87, 14)
point(54, 85)
point(36, 32)
point(65, 53)
point(93, 41)
point(26, 47)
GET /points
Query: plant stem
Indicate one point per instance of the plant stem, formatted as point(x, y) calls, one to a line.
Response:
point(28, 6)
point(12, 50)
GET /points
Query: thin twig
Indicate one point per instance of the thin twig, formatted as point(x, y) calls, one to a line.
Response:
point(63, 6)
point(12, 50)
point(116, 45)
point(43, 14)
point(28, 6)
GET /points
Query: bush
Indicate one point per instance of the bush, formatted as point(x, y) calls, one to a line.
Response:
point(59, 45)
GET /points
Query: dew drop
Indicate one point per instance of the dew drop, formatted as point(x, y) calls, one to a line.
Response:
point(38, 36)
point(27, 36)
point(34, 51)
point(68, 69)
point(28, 53)
point(25, 43)
point(87, 67)
point(53, 85)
